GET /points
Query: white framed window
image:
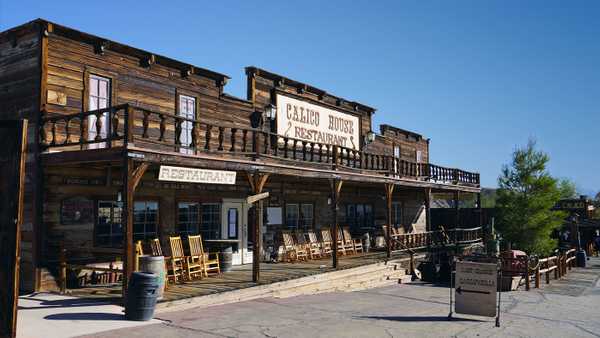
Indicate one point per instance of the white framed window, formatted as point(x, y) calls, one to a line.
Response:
point(98, 98)
point(187, 109)
point(419, 156)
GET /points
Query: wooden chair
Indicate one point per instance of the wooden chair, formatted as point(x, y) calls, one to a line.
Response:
point(195, 262)
point(326, 244)
point(340, 241)
point(302, 245)
point(178, 261)
point(157, 251)
point(316, 248)
point(210, 261)
point(291, 251)
point(343, 244)
point(139, 251)
point(356, 242)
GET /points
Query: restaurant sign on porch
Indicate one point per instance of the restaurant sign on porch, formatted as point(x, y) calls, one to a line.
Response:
point(306, 121)
point(194, 175)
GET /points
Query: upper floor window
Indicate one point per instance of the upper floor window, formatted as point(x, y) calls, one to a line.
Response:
point(99, 98)
point(187, 110)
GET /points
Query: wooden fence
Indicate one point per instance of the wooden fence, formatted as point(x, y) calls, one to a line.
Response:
point(534, 269)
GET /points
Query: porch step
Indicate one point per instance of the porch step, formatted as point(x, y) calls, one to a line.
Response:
point(353, 279)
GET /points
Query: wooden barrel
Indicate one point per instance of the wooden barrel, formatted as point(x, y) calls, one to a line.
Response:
point(225, 259)
point(155, 265)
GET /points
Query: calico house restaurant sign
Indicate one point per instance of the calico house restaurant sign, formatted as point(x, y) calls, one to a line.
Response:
point(193, 175)
point(306, 121)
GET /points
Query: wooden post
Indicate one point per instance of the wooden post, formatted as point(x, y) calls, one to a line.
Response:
point(257, 182)
point(131, 178)
point(389, 191)
point(547, 272)
point(412, 262)
point(428, 209)
point(527, 282)
point(336, 187)
point(456, 210)
point(62, 256)
point(479, 209)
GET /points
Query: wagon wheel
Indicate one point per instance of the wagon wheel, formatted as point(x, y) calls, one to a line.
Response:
point(534, 262)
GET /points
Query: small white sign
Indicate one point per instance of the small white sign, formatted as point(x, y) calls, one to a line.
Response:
point(314, 123)
point(475, 289)
point(194, 175)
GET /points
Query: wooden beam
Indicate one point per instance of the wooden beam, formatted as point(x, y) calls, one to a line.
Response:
point(257, 182)
point(336, 188)
point(428, 209)
point(479, 209)
point(13, 137)
point(456, 209)
point(389, 192)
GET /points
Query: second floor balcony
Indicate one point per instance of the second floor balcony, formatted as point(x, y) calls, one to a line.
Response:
point(126, 126)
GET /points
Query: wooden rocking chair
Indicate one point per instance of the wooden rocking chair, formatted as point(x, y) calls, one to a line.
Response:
point(315, 248)
point(210, 261)
point(302, 245)
point(326, 245)
point(195, 262)
point(356, 242)
point(344, 244)
point(291, 251)
point(178, 261)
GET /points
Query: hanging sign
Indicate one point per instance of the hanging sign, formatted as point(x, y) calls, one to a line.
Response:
point(306, 121)
point(194, 175)
point(256, 198)
point(475, 290)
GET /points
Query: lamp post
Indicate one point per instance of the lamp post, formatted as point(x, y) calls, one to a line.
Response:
point(581, 256)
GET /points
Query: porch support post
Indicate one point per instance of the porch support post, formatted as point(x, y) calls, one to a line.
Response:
point(131, 178)
point(428, 209)
point(336, 187)
point(257, 182)
point(456, 209)
point(389, 191)
point(479, 209)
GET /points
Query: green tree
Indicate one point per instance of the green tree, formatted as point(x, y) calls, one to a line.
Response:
point(525, 198)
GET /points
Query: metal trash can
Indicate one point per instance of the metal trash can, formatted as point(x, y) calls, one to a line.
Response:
point(226, 259)
point(581, 258)
point(141, 296)
point(155, 265)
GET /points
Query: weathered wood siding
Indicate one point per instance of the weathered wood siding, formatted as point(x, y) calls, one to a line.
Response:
point(155, 88)
point(20, 71)
point(262, 86)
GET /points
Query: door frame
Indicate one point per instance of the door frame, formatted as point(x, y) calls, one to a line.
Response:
point(242, 206)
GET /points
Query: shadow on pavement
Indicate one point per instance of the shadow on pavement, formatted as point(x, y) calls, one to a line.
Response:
point(421, 319)
point(86, 316)
point(71, 302)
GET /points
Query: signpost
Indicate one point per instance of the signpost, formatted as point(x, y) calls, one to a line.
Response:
point(476, 290)
point(256, 198)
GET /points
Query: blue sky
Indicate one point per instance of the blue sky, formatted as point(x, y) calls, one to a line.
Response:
point(477, 77)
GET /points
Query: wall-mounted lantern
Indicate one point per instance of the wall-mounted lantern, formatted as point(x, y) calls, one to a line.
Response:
point(370, 138)
point(270, 111)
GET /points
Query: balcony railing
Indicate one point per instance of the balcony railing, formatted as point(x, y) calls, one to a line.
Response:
point(123, 124)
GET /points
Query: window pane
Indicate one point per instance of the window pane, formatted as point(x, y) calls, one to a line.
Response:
point(103, 86)
point(93, 86)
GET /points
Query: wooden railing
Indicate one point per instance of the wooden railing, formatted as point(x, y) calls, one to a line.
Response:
point(533, 268)
point(98, 274)
point(121, 124)
point(420, 240)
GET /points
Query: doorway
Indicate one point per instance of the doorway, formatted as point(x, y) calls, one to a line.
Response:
point(234, 227)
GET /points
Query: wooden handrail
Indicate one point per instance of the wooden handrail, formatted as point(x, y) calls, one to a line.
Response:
point(129, 124)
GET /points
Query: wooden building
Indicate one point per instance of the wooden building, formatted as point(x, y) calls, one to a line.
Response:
point(127, 145)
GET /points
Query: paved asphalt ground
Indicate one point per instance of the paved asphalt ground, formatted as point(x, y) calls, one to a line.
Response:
point(566, 308)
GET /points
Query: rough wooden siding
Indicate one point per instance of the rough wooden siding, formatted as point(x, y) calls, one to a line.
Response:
point(154, 88)
point(19, 98)
point(261, 91)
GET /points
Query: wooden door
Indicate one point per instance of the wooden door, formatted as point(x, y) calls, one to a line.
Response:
point(13, 138)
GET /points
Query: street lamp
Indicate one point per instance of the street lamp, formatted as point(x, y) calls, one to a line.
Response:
point(581, 256)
